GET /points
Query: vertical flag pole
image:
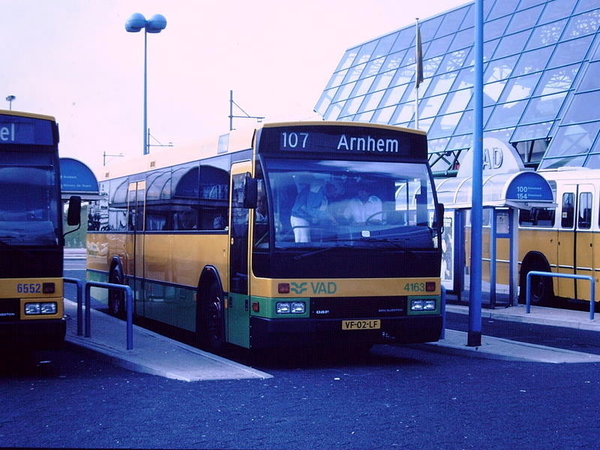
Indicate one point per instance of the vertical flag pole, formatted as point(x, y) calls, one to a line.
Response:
point(418, 70)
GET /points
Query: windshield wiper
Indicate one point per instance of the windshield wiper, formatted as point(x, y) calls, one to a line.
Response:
point(13, 247)
point(6, 244)
point(396, 244)
point(319, 250)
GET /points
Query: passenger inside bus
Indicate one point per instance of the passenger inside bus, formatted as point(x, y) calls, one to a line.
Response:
point(261, 208)
point(309, 207)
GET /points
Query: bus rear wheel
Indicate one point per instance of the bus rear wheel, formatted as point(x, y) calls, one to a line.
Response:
point(116, 298)
point(211, 328)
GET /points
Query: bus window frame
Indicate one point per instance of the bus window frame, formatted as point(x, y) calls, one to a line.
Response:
point(567, 210)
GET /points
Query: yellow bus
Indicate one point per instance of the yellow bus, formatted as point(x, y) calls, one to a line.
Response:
point(293, 234)
point(31, 237)
point(562, 240)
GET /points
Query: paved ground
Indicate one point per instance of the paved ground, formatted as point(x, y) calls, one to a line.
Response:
point(152, 353)
point(156, 354)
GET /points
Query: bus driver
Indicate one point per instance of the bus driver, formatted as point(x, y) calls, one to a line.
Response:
point(363, 207)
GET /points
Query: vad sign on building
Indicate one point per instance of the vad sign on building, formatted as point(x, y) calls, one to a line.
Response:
point(497, 158)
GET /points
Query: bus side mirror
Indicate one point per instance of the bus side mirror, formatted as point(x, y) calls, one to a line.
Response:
point(74, 211)
point(250, 192)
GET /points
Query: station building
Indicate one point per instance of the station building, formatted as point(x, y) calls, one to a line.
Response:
point(541, 82)
point(541, 118)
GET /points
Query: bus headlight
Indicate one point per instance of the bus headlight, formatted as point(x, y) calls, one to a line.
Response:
point(283, 307)
point(49, 308)
point(298, 307)
point(32, 309)
point(422, 305)
point(290, 308)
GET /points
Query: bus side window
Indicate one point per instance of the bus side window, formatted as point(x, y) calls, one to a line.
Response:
point(545, 217)
point(213, 197)
point(536, 217)
point(568, 207)
point(584, 219)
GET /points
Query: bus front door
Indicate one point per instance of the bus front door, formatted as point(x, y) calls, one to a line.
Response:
point(584, 243)
point(237, 320)
point(576, 240)
point(136, 206)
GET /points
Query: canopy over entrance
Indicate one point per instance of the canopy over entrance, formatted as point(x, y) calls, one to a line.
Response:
point(522, 190)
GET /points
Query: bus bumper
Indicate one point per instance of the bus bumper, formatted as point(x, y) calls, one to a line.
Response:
point(33, 334)
point(273, 333)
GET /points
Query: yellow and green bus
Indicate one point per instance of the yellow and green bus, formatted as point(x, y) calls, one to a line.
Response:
point(31, 236)
point(267, 239)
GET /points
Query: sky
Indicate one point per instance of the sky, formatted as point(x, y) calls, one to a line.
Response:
point(73, 59)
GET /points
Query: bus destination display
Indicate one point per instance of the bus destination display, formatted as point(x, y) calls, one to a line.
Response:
point(358, 141)
point(25, 131)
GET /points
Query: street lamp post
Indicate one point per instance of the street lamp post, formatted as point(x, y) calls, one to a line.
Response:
point(155, 24)
point(10, 99)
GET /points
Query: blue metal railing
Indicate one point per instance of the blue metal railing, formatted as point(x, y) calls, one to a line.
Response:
point(443, 311)
point(87, 310)
point(128, 306)
point(80, 285)
point(561, 275)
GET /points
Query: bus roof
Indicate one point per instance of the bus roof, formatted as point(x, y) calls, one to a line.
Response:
point(234, 141)
point(571, 173)
point(345, 124)
point(231, 142)
point(6, 112)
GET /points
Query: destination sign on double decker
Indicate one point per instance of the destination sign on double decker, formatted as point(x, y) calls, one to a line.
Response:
point(355, 140)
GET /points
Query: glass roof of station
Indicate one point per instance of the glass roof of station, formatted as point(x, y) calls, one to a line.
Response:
point(541, 81)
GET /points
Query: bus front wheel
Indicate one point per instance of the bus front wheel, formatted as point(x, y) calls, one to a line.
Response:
point(542, 292)
point(211, 329)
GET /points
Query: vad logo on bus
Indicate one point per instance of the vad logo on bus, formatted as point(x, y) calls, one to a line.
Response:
point(321, 287)
point(298, 288)
point(316, 287)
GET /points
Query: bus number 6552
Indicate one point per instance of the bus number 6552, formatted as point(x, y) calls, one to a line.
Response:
point(29, 288)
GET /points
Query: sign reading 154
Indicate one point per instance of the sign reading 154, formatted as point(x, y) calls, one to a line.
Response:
point(294, 140)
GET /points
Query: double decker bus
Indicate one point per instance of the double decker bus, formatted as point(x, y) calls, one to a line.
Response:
point(31, 236)
point(296, 234)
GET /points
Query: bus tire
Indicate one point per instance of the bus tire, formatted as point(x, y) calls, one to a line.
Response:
point(116, 298)
point(210, 318)
point(542, 290)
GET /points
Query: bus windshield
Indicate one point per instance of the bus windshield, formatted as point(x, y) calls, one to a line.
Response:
point(363, 204)
point(28, 206)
